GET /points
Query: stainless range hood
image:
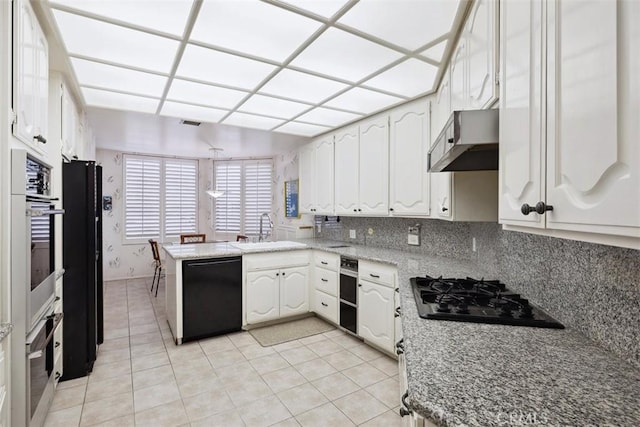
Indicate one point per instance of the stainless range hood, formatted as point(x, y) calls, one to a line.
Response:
point(468, 142)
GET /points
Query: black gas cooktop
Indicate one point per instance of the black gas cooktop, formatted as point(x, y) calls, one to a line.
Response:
point(479, 301)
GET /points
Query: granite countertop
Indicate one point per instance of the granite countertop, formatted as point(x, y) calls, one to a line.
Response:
point(215, 250)
point(491, 375)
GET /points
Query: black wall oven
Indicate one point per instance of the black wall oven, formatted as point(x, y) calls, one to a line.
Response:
point(349, 294)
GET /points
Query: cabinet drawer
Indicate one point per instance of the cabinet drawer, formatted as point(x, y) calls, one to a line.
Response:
point(327, 260)
point(326, 281)
point(326, 306)
point(276, 260)
point(377, 273)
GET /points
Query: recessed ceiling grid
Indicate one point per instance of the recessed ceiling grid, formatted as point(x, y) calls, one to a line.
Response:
point(295, 66)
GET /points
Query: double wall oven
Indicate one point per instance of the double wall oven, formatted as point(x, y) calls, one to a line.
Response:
point(36, 315)
point(349, 294)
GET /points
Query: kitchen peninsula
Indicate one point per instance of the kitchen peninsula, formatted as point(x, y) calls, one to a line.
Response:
point(511, 375)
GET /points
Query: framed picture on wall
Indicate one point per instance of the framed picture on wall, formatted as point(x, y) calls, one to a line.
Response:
point(291, 199)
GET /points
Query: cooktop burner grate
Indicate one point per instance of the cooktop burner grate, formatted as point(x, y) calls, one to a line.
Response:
point(473, 300)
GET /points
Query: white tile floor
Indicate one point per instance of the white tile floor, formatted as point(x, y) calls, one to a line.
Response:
point(141, 378)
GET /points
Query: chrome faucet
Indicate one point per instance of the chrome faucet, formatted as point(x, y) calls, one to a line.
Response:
point(264, 235)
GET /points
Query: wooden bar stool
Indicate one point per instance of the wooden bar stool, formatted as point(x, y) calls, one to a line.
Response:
point(158, 265)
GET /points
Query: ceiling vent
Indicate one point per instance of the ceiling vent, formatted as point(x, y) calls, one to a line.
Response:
point(190, 123)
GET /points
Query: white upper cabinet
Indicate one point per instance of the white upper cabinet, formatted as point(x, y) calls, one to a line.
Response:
point(324, 176)
point(31, 77)
point(459, 75)
point(583, 161)
point(316, 177)
point(69, 124)
point(347, 155)
point(521, 124)
point(307, 178)
point(481, 37)
point(408, 148)
point(374, 166)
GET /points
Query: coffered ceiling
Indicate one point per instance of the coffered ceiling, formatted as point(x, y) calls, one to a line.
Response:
point(298, 67)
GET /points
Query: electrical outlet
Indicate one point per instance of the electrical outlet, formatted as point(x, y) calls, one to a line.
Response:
point(319, 227)
point(370, 231)
point(473, 244)
point(352, 234)
point(413, 238)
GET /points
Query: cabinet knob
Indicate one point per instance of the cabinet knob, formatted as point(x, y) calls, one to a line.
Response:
point(540, 208)
point(450, 140)
point(58, 375)
point(404, 408)
point(40, 138)
point(359, 210)
point(359, 285)
point(355, 210)
point(324, 280)
point(391, 209)
point(277, 274)
point(324, 304)
point(444, 209)
point(57, 344)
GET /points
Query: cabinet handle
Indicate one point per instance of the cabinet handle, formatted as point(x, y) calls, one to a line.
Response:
point(277, 274)
point(404, 408)
point(397, 312)
point(323, 279)
point(450, 140)
point(374, 275)
point(58, 375)
point(40, 138)
point(359, 285)
point(324, 262)
point(324, 304)
point(400, 347)
point(57, 344)
point(283, 273)
point(391, 209)
point(57, 298)
point(398, 290)
point(355, 210)
point(444, 209)
point(540, 208)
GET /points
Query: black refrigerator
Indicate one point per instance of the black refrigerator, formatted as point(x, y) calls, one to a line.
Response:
point(82, 292)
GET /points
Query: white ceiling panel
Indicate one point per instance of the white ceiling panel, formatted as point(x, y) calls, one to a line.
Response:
point(325, 8)
point(301, 86)
point(409, 78)
point(198, 93)
point(113, 43)
point(91, 73)
point(327, 117)
point(169, 16)
point(260, 104)
point(406, 23)
point(192, 112)
point(251, 121)
point(363, 100)
point(303, 129)
point(119, 101)
point(243, 26)
point(222, 68)
point(435, 52)
point(340, 54)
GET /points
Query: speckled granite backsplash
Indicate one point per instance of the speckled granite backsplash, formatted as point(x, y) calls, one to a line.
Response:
point(592, 288)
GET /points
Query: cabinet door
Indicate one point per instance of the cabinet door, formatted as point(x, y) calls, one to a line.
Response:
point(521, 101)
point(263, 292)
point(459, 76)
point(480, 32)
point(375, 314)
point(307, 167)
point(593, 159)
point(26, 92)
point(441, 194)
point(294, 291)
point(374, 167)
point(441, 107)
point(324, 176)
point(346, 171)
point(409, 145)
point(68, 123)
point(42, 92)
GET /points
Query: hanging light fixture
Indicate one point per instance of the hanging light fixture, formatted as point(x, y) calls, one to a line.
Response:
point(215, 193)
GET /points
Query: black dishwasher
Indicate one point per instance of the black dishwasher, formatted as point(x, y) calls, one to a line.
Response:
point(211, 297)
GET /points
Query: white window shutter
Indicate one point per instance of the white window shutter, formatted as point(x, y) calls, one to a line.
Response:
point(142, 197)
point(180, 197)
point(228, 207)
point(257, 194)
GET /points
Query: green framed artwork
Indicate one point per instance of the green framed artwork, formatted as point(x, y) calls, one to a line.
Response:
point(291, 199)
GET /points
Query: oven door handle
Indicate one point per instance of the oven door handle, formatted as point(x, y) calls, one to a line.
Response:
point(43, 212)
point(34, 353)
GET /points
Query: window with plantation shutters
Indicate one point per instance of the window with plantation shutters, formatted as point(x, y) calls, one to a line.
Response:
point(180, 197)
point(247, 187)
point(142, 197)
point(257, 194)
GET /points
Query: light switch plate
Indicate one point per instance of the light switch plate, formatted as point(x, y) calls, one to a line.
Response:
point(352, 234)
point(413, 240)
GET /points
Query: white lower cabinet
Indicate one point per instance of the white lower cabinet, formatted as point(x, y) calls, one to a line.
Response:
point(263, 292)
point(326, 306)
point(376, 308)
point(272, 294)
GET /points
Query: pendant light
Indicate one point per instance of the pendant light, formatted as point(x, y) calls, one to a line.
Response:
point(215, 193)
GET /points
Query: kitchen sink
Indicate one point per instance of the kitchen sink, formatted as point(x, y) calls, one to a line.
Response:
point(282, 244)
